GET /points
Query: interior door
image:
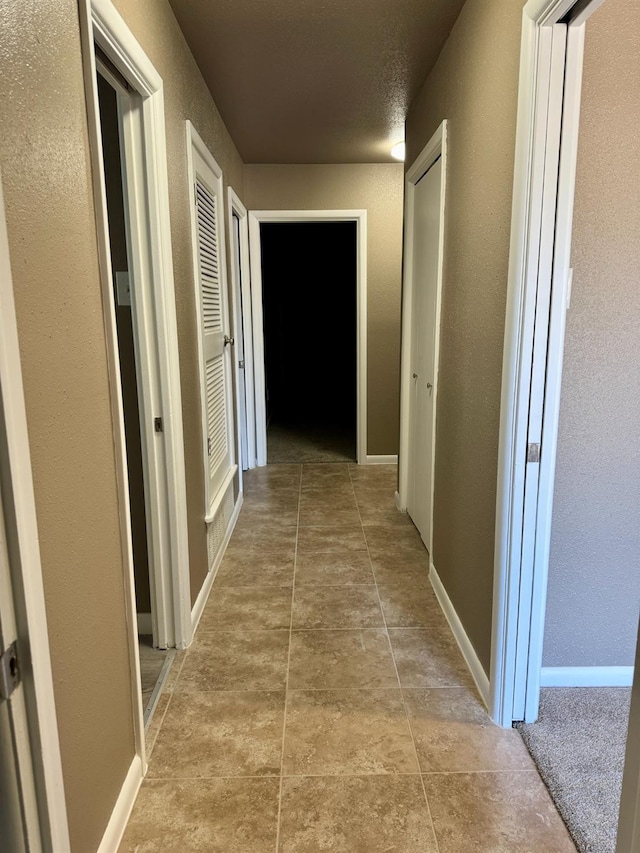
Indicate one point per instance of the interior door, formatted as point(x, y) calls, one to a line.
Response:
point(426, 242)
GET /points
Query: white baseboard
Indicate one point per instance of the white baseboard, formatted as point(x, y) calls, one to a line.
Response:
point(144, 623)
point(122, 809)
point(203, 595)
point(381, 460)
point(586, 676)
point(468, 652)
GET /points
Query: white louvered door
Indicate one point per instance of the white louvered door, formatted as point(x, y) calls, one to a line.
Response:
point(214, 328)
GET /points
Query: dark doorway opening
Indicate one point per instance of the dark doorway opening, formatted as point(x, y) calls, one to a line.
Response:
point(309, 279)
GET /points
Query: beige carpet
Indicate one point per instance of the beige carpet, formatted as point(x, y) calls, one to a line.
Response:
point(578, 745)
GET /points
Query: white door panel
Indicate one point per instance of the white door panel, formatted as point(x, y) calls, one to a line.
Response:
point(426, 247)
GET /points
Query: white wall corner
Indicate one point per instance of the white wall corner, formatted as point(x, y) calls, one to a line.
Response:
point(468, 652)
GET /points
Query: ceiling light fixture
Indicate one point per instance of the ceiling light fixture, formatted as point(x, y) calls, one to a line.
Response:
point(398, 151)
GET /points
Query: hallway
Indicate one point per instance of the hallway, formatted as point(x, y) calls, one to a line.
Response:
point(324, 704)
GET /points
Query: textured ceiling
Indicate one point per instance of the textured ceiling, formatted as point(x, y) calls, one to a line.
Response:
point(315, 81)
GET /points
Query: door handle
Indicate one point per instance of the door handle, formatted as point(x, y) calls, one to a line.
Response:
point(429, 386)
point(228, 340)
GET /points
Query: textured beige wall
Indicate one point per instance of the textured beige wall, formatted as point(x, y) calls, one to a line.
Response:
point(594, 567)
point(44, 161)
point(474, 86)
point(186, 97)
point(378, 188)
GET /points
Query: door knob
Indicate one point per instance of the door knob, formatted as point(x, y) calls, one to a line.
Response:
point(415, 375)
point(429, 386)
point(228, 340)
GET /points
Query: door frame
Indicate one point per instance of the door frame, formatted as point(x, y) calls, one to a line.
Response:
point(436, 147)
point(544, 182)
point(256, 218)
point(36, 715)
point(156, 329)
point(245, 328)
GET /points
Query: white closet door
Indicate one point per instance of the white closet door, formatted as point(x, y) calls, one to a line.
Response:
point(426, 242)
point(214, 328)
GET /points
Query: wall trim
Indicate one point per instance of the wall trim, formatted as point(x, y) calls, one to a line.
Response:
point(391, 459)
point(203, 595)
point(464, 643)
point(586, 676)
point(256, 217)
point(123, 808)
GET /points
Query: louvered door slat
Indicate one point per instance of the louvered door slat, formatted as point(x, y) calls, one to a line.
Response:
point(216, 362)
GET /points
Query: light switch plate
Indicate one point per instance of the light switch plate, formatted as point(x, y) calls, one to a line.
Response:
point(122, 288)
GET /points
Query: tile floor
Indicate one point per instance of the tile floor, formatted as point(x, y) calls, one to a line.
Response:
point(324, 705)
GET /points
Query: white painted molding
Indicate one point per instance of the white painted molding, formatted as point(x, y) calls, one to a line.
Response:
point(123, 808)
point(144, 129)
point(586, 676)
point(256, 217)
point(145, 624)
point(203, 595)
point(398, 503)
point(464, 643)
point(381, 460)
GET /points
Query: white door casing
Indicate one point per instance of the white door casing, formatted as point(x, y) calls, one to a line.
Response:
point(425, 192)
point(544, 180)
point(214, 340)
point(256, 217)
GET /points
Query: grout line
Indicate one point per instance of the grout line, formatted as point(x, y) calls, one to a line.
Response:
point(286, 687)
point(344, 775)
point(395, 666)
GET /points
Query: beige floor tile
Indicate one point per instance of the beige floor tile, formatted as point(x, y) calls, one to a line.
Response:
point(260, 514)
point(409, 605)
point(393, 539)
point(325, 515)
point(174, 673)
point(272, 569)
point(262, 539)
point(374, 473)
point(375, 495)
point(361, 814)
point(336, 607)
point(347, 732)
point(236, 660)
point(327, 492)
point(334, 569)
point(204, 816)
point(341, 659)
point(453, 732)
point(331, 539)
point(384, 516)
point(151, 734)
point(428, 658)
point(496, 813)
point(249, 608)
point(408, 567)
point(220, 734)
point(325, 471)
